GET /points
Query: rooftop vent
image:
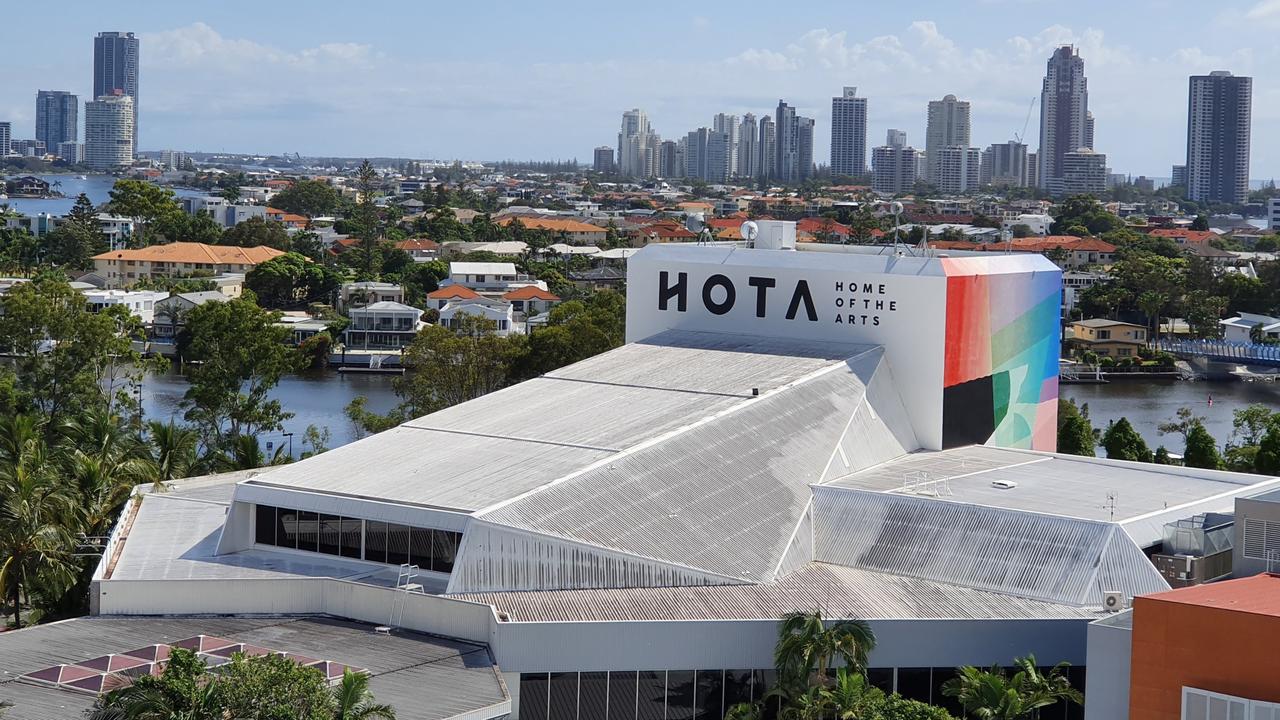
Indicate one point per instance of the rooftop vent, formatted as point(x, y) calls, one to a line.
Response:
point(1003, 484)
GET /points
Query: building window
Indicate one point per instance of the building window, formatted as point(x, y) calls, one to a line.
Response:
point(371, 540)
point(1104, 335)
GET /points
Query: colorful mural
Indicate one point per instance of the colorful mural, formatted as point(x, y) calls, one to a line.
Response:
point(1000, 379)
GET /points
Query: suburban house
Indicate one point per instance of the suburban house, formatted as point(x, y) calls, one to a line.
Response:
point(604, 277)
point(382, 325)
point(440, 297)
point(421, 249)
point(124, 268)
point(1109, 338)
point(492, 279)
point(575, 231)
point(367, 292)
point(288, 219)
point(531, 300)
point(499, 312)
point(139, 303)
point(824, 229)
point(1080, 251)
point(1241, 328)
point(169, 315)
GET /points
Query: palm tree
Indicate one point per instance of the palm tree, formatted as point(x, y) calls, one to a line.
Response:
point(36, 511)
point(353, 700)
point(169, 453)
point(806, 648)
point(743, 711)
point(244, 453)
point(992, 695)
point(853, 697)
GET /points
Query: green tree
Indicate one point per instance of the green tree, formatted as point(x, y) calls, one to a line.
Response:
point(78, 238)
point(1184, 421)
point(200, 227)
point(1267, 460)
point(292, 280)
point(183, 691)
point(806, 648)
point(993, 695)
point(169, 452)
point(36, 511)
point(1122, 442)
point(146, 204)
point(1021, 230)
point(272, 687)
point(240, 356)
point(257, 231)
point(231, 193)
point(307, 197)
point(1076, 437)
point(365, 216)
point(1201, 450)
point(1203, 312)
point(308, 244)
point(1162, 457)
point(451, 366)
point(353, 701)
point(1087, 212)
point(1201, 223)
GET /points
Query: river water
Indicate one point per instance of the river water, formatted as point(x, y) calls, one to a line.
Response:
point(96, 187)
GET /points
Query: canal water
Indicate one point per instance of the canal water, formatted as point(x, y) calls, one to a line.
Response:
point(1148, 403)
point(316, 397)
point(96, 187)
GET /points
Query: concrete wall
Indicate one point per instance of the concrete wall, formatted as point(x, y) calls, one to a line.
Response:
point(1107, 677)
point(1247, 508)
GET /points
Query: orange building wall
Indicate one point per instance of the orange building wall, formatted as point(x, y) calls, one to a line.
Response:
point(1177, 644)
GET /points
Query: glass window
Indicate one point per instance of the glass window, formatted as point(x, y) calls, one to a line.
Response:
point(444, 550)
point(350, 531)
point(420, 547)
point(762, 681)
point(881, 678)
point(914, 683)
point(533, 696)
point(651, 695)
point(308, 535)
point(329, 526)
point(940, 676)
point(287, 530)
point(264, 522)
point(737, 687)
point(375, 541)
point(680, 692)
point(709, 695)
point(622, 696)
point(564, 696)
point(397, 544)
point(593, 692)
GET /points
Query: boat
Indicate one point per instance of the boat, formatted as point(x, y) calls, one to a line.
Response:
point(81, 177)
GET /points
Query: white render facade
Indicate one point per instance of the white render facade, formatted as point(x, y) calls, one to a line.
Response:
point(109, 132)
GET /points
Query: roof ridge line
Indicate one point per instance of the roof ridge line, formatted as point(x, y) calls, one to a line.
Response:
point(833, 366)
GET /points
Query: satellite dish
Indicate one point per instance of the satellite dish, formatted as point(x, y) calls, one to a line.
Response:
point(694, 223)
point(749, 230)
point(895, 207)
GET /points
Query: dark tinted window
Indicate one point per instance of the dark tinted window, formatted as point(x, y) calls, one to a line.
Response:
point(288, 528)
point(592, 695)
point(264, 525)
point(375, 541)
point(940, 676)
point(709, 698)
point(330, 527)
point(564, 696)
point(622, 696)
point(881, 678)
point(308, 532)
point(397, 544)
point(680, 691)
point(651, 695)
point(350, 531)
point(533, 696)
point(444, 550)
point(737, 687)
point(420, 548)
point(914, 683)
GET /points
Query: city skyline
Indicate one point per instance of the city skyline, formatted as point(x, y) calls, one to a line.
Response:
point(218, 83)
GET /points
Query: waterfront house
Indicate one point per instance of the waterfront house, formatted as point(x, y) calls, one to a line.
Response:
point(531, 300)
point(440, 297)
point(124, 268)
point(1109, 338)
point(1250, 327)
point(382, 326)
point(499, 312)
point(170, 314)
point(367, 292)
point(491, 279)
point(574, 231)
point(139, 303)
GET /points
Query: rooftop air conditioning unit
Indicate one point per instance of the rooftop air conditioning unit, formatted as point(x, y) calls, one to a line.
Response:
point(1112, 601)
point(1003, 484)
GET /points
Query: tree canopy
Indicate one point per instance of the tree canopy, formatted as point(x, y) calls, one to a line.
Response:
point(292, 280)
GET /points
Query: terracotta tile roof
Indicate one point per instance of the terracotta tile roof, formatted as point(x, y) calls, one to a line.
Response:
point(286, 217)
point(418, 244)
point(551, 224)
point(822, 225)
point(453, 292)
point(1190, 236)
point(954, 245)
point(530, 292)
point(1069, 242)
point(189, 252)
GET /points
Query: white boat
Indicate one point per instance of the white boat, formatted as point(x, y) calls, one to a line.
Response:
point(81, 177)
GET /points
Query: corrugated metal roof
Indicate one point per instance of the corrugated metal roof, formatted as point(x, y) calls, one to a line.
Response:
point(423, 677)
point(1031, 555)
point(1066, 485)
point(509, 442)
point(841, 592)
point(725, 495)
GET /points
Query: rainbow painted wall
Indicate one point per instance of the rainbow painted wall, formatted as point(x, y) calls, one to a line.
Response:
point(1000, 377)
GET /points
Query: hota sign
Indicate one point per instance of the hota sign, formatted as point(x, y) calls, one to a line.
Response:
point(973, 333)
point(856, 303)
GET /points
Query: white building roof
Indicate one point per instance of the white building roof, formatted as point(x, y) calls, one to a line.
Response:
point(482, 268)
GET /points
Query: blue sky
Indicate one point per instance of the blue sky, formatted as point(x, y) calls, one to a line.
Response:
point(550, 80)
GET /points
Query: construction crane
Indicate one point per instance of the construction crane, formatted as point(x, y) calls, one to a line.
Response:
point(1018, 136)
